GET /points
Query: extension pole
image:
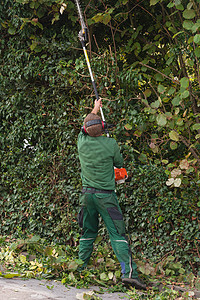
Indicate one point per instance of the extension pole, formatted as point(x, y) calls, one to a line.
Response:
point(83, 39)
point(92, 78)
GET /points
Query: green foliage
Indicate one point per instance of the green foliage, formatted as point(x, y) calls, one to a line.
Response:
point(146, 65)
point(33, 257)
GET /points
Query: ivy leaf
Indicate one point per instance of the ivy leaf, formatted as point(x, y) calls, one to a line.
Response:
point(197, 38)
point(160, 219)
point(189, 14)
point(185, 94)
point(173, 145)
point(176, 101)
point(103, 277)
point(147, 93)
point(175, 172)
point(196, 126)
point(187, 24)
point(174, 136)
point(12, 30)
point(23, 259)
point(143, 157)
point(98, 18)
point(177, 182)
point(184, 82)
point(72, 266)
point(128, 126)
point(170, 181)
point(171, 91)
point(155, 104)
point(110, 275)
point(106, 18)
point(161, 88)
point(184, 164)
point(153, 2)
point(161, 120)
point(197, 52)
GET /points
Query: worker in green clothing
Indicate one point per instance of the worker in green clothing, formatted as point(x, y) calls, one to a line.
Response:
point(98, 156)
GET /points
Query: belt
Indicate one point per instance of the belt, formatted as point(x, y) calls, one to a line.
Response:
point(91, 190)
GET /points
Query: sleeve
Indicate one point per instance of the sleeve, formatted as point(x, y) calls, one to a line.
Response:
point(118, 159)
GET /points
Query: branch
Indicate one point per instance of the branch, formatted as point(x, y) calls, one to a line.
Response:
point(173, 80)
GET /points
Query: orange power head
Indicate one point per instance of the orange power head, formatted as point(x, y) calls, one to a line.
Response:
point(120, 175)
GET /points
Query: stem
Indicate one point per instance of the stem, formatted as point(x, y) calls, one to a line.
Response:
point(194, 152)
point(174, 81)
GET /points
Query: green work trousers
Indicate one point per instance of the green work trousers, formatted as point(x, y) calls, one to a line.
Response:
point(106, 205)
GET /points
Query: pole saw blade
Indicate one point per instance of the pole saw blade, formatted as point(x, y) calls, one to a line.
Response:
point(83, 33)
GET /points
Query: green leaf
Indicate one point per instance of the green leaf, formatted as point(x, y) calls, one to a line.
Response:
point(153, 2)
point(197, 52)
point(174, 136)
point(170, 4)
point(147, 93)
point(173, 145)
point(143, 157)
point(160, 219)
point(11, 275)
point(185, 94)
point(106, 19)
point(98, 239)
point(197, 38)
point(128, 126)
point(12, 30)
point(72, 266)
point(161, 88)
point(161, 120)
point(23, 259)
point(155, 104)
point(179, 122)
point(177, 2)
point(98, 18)
point(196, 126)
point(195, 27)
point(33, 45)
point(189, 14)
point(171, 91)
point(198, 204)
point(180, 7)
point(165, 161)
point(184, 82)
point(41, 12)
point(176, 101)
point(187, 24)
point(103, 276)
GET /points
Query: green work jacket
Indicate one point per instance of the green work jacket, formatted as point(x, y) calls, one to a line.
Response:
point(98, 157)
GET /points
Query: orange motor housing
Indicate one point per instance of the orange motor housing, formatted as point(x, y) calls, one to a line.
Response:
point(120, 175)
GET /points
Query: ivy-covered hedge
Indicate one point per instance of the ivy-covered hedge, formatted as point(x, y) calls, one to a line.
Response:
point(159, 221)
point(45, 94)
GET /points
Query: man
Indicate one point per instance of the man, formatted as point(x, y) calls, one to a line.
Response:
point(98, 156)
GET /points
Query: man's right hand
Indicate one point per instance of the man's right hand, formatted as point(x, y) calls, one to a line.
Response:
point(97, 105)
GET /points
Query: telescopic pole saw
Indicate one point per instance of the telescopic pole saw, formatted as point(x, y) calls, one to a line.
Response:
point(120, 174)
point(83, 37)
